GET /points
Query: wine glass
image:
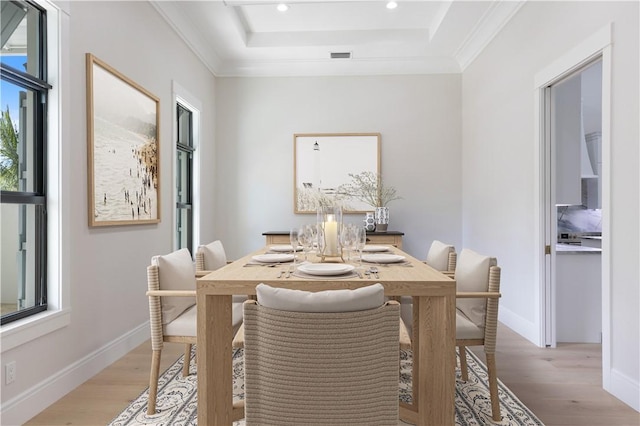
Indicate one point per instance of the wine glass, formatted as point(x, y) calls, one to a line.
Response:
point(305, 238)
point(293, 237)
point(361, 241)
point(348, 238)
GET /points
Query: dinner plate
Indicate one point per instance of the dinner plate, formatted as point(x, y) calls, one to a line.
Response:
point(284, 248)
point(382, 258)
point(325, 268)
point(273, 257)
point(372, 248)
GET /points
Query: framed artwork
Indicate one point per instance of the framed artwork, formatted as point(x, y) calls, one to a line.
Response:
point(322, 164)
point(123, 150)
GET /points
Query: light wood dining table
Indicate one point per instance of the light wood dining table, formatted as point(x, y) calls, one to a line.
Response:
point(433, 340)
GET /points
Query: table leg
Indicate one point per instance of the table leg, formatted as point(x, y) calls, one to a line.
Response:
point(434, 378)
point(214, 364)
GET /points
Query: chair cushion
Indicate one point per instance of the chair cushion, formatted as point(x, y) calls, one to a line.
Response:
point(175, 272)
point(472, 274)
point(183, 325)
point(214, 255)
point(438, 256)
point(322, 301)
point(466, 329)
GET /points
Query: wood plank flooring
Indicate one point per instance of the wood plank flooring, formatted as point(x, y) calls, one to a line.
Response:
point(561, 386)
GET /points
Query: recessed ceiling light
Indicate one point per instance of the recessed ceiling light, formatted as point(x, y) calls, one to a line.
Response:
point(392, 5)
point(283, 7)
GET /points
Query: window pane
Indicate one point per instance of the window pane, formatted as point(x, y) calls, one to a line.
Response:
point(183, 177)
point(184, 126)
point(21, 37)
point(183, 228)
point(17, 138)
point(19, 256)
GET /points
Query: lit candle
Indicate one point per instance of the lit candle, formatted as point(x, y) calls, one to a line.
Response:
point(331, 235)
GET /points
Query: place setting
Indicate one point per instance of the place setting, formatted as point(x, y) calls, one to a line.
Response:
point(270, 259)
point(284, 248)
point(385, 259)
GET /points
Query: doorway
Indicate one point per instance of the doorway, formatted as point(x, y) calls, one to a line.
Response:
point(596, 48)
point(573, 123)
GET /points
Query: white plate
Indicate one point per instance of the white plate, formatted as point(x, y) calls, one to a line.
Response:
point(273, 257)
point(371, 248)
point(284, 248)
point(382, 258)
point(325, 268)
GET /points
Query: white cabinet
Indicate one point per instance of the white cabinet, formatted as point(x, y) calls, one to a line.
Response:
point(595, 242)
point(578, 296)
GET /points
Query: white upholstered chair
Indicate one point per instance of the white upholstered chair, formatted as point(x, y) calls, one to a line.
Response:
point(172, 309)
point(441, 257)
point(478, 290)
point(210, 257)
point(329, 357)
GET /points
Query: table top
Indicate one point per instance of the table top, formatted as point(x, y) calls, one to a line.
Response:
point(368, 233)
point(412, 278)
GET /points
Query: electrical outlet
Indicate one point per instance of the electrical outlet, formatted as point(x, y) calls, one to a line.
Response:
point(10, 372)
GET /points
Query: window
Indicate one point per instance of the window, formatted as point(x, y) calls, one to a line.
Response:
point(184, 178)
point(23, 140)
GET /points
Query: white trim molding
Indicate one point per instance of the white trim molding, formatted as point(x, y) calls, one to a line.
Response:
point(29, 403)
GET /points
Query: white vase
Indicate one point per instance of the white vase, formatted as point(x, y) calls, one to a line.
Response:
point(382, 219)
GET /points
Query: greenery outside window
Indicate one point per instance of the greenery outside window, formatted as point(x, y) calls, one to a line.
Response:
point(184, 178)
point(23, 123)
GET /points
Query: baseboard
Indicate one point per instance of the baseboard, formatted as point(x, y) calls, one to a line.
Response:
point(517, 323)
point(625, 389)
point(29, 403)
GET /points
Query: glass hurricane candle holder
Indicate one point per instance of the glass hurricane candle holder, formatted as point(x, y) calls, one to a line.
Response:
point(329, 227)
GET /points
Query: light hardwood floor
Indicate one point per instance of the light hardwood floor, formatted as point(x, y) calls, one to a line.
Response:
point(561, 386)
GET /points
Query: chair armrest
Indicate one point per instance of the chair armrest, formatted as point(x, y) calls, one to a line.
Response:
point(172, 293)
point(477, 295)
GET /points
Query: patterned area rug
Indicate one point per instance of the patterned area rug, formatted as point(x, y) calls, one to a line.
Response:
point(177, 397)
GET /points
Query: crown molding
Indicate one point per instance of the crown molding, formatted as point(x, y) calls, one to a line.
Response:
point(491, 23)
point(182, 25)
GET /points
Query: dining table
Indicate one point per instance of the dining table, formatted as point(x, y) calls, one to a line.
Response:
point(432, 340)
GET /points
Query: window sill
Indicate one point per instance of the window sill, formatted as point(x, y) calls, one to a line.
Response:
point(23, 331)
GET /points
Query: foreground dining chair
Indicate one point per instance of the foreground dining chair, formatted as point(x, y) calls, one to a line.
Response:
point(478, 290)
point(329, 357)
point(171, 285)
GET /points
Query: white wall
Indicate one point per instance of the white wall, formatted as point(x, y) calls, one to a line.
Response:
point(499, 152)
point(107, 273)
point(419, 121)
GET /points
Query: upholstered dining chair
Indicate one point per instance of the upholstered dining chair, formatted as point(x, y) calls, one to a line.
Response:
point(171, 284)
point(329, 357)
point(478, 290)
point(442, 257)
point(210, 257)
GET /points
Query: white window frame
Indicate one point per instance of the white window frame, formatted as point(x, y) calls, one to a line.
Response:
point(193, 104)
point(58, 314)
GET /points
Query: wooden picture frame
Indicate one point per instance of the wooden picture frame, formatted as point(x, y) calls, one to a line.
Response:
point(322, 163)
point(123, 148)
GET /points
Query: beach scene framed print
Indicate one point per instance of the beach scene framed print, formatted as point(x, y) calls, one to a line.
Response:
point(123, 150)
